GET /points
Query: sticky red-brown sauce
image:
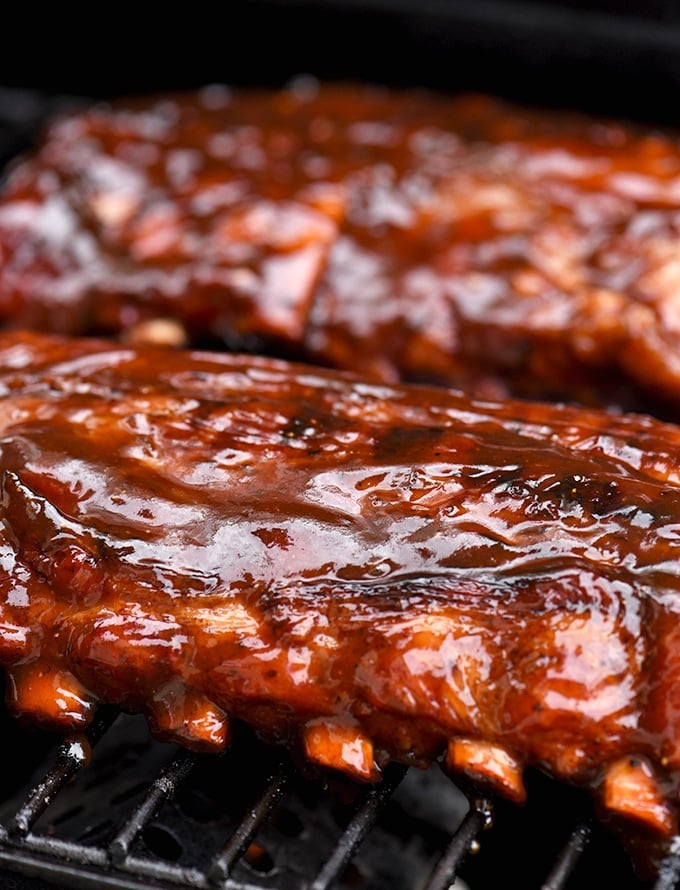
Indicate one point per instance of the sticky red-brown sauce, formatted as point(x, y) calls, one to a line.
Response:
point(379, 571)
point(403, 235)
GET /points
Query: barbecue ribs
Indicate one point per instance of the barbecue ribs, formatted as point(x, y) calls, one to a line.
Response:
point(376, 572)
point(401, 235)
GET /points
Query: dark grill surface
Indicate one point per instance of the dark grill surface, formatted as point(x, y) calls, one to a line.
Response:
point(116, 809)
point(143, 814)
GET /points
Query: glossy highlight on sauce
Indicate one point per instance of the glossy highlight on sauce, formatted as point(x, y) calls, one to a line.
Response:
point(372, 572)
point(404, 235)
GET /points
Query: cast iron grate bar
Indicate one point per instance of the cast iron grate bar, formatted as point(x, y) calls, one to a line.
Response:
point(243, 836)
point(568, 858)
point(71, 757)
point(163, 788)
point(50, 855)
point(444, 872)
point(358, 828)
point(117, 867)
point(72, 874)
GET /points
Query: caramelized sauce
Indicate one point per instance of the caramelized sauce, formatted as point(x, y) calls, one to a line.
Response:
point(384, 572)
point(402, 235)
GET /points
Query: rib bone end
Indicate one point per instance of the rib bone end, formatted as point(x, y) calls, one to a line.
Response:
point(52, 697)
point(487, 765)
point(340, 745)
point(631, 790)
point(190, 719)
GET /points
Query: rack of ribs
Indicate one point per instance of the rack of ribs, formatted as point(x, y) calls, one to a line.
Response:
point(401, 235)
point(369, 572)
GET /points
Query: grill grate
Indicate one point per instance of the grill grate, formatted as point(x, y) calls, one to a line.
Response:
point(117, 863)
point(462, 842)
point(66, 829)
point(357, 829)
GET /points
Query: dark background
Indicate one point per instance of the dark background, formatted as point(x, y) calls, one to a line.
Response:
point(603, 55)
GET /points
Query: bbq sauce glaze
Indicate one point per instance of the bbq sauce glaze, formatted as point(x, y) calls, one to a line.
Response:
point(403, 235)
point(370, 572)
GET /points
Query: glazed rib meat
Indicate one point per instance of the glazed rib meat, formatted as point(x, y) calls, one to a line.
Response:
point(401, 235)
point(372, 572)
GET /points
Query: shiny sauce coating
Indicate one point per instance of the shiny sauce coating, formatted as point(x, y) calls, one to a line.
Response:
point(375, 572)
point(403, 235)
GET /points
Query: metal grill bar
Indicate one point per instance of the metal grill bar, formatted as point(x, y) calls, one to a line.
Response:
point(241, 839)
point(117, 867)
point(68, 850)
point(97, 858)
point(358, 828)
point(444, 873)
point(92, 862)
point(568, 859)
point(70, 874)
point(162, 789)
point(74, 874)
point(71, 757)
